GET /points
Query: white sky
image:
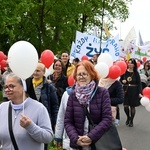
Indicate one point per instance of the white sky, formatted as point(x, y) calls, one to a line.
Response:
point(139, 18)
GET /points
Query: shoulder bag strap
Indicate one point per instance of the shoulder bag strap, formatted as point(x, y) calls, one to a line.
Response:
point(88, 114)
point(10, 127)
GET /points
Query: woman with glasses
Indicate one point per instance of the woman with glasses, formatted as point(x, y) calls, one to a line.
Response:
point(96, 99)
point(132, 91)
point(22, 118)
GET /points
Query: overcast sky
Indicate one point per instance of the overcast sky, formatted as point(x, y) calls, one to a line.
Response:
point(139, 19)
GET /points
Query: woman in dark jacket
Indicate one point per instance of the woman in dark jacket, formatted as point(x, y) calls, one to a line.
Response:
point(96, 99)
point(58, 79)
point(132, 88)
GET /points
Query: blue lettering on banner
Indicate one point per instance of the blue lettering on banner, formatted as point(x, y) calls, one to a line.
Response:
point(114, 44)
point(91, 50)
point(95, 40)
point(105, 50)
point(73, 54)
point(79, 43)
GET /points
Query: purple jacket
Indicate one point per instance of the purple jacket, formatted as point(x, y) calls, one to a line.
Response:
point(100, 112)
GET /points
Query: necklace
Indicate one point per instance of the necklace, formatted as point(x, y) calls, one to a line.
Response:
point(129, 79)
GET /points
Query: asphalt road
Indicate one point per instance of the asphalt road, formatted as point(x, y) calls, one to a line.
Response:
point(138, 136)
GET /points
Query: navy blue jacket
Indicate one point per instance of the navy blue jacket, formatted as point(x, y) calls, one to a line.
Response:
point(48, 98)
point(116, 93)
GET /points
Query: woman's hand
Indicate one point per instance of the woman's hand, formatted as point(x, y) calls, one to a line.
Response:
point(84, 141)
point(124, 81)
point(140, 95)
point(25, 121)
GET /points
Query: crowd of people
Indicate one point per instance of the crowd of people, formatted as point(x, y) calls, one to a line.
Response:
point(43, 108)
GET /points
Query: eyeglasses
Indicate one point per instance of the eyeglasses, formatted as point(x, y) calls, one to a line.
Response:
point(83, 75)
point(9, 87)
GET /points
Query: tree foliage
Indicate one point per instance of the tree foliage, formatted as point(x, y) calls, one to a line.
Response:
point(52, 24)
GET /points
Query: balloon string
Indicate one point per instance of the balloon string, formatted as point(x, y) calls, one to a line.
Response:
point(23, 100)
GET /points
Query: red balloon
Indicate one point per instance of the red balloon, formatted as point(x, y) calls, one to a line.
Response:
point(138, 64)
point(2, 55)
point(122, 65)
point(71, 80)
point(5, 57)
point(47, 58)
point(3, 65)
point(144, 59)
point(146, 92)
point(114, 72)
point(84, 58)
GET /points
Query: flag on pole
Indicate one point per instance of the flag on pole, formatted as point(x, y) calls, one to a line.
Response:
point(130, 36)
point(128, 56)
point(140, 42)
point(106, 29)
point(129, 43)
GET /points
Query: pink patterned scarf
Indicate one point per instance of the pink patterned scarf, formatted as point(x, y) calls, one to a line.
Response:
point(83, 93)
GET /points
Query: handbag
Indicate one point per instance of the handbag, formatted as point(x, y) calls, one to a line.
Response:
point(109, 141)
point(10, 127)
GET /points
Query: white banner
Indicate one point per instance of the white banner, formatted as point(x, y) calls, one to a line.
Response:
point(112, 47)
point(89, 45)
point(86, 45)
point(73, 50)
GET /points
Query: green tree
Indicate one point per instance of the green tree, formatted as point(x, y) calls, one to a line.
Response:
point(52, 24)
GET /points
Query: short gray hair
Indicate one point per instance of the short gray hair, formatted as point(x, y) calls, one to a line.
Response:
point(18, 79)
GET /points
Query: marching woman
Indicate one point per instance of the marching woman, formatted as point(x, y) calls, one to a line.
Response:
point(132, 91)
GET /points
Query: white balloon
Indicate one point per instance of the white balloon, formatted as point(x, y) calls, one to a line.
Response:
point(23, 59)
point(102, 69)
point(148, 108)
point(145, 101)
point(106, 58)
point(49, 71)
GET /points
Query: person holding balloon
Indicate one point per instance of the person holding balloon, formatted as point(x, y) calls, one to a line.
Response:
point(132, 90)
point(25, 119)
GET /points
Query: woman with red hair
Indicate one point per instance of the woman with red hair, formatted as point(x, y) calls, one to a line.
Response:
point(87, 95)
